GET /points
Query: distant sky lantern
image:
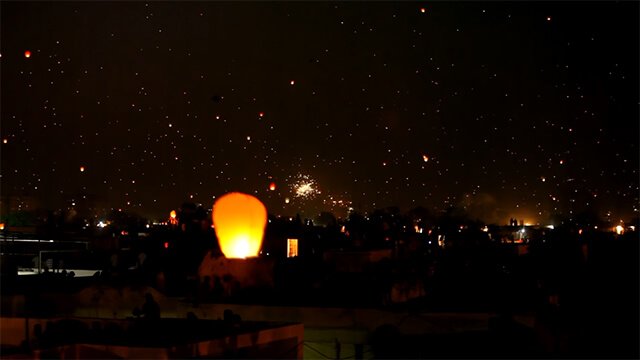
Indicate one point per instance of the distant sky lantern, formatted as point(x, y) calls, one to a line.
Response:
point(286, 200)
point(292, 82)
point(272, 186)
point(27, 54)
point(261, 114)
point(173, 217)
point(239, 221)
point(81, 168)
point(423, 10)
point(425, 158)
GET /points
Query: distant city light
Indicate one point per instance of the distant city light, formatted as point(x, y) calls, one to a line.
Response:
point(101, 224)
point(619, 229)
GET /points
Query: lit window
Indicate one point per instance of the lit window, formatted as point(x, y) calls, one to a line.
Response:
point(292, 247)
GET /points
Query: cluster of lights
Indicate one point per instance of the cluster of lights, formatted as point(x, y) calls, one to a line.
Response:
point(305, 187)
point(336, 203)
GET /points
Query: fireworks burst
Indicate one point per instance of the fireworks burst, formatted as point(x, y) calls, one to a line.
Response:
point(305, 187)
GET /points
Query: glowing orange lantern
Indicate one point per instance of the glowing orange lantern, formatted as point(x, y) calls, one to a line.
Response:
point(27, 54)
point(172, 218)
point(239, 221)
point(272, 186)
point(81, 168)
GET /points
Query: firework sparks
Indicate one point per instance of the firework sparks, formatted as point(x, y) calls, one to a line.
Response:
point(305, 187)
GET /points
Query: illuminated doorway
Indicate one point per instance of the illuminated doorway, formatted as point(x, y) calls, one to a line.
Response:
point(292, 247)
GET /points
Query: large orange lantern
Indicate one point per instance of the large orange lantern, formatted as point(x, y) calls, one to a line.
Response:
point(239, 221)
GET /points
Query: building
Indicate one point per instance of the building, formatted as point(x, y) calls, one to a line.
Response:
point(93, 338)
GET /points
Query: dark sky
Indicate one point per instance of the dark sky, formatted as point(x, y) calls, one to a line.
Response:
point(521, 109)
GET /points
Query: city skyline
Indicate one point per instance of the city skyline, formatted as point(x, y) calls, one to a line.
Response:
point(508, 110)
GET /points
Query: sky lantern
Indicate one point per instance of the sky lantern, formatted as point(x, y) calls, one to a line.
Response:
point(261, 114)
point(81, 168)
point(27, 54)
point(239, 221)
point(272, 186)
point(172, 217)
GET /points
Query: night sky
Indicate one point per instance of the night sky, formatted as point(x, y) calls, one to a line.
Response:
point(507, 108)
